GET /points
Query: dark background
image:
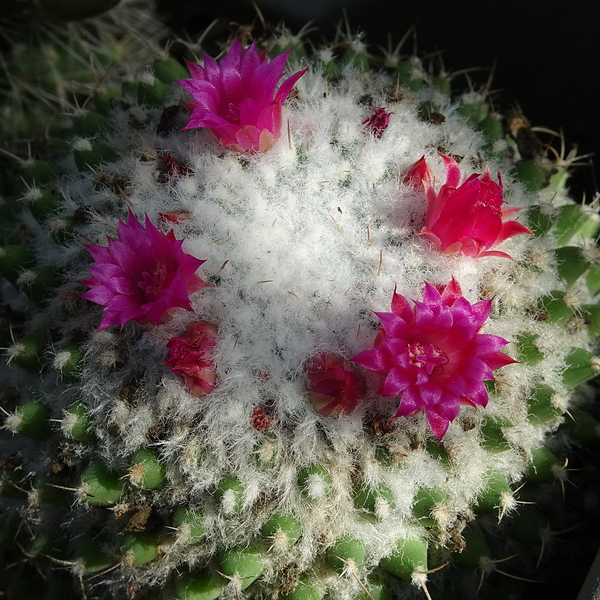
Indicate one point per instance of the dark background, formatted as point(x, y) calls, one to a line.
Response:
point(545, 54)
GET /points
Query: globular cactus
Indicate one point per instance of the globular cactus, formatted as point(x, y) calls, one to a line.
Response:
point(342, 332)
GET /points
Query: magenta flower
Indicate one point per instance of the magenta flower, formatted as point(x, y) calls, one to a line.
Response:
point(378, 122)
point(432, 356)
point(238, 99)
point(467, 219)
point(142, 275)
point(192, 357)
point(334, 386)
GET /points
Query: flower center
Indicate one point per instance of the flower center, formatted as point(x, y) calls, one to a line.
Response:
point(426, 356)
point(233, 116)
point(155, 283)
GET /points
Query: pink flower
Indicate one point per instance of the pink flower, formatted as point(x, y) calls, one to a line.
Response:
point(378, 122)
point(469, 218)
point(238, 99)
point(192, 357)
point(333, 384)
point(432, 356)
point(142, 275)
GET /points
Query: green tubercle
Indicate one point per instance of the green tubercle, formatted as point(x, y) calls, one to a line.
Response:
point(243, 564)
point(92, 555)
point(146, 470)
point(544, 404)
point(314, 482)
point(30, 419)
point(189, 524)
point(76, 423)
point(201, 585)
point(425, 503)
point(347, 553)
point(477, 549)
point(281, 531)
point(543, 466)
point(139, 548)
point(495, 494)
point(99, 486)
point(230, 495)
point(374, 503)
point(307, 588)
point(581, 366)
point(408, 559)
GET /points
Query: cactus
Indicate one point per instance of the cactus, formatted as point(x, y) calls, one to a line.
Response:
point(244, 417)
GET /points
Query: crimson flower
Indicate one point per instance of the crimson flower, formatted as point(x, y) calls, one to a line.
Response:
point(262, 417)
point(378, 122)
point(467, 218)
point(237, 99)
point(432, 356)
point(142, 275)
point(334, 386)
point(192, 357)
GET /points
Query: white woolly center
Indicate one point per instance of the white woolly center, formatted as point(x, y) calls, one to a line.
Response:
point(316, 487)
point(229, 502)
point(61, 358)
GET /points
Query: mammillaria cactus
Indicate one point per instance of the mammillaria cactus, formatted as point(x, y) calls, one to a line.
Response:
point(243, 418)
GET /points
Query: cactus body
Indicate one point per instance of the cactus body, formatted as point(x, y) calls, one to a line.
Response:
point(222, 472)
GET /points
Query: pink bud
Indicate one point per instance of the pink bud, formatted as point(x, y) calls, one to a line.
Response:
point(378, 122)
point(192, 357)
point(334, 385)
point(467, 218)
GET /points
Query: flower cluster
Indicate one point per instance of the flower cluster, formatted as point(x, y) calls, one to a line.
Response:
point(432, 356)
point(468, 218)
point(192, 357)
point(142, 275)
point(334, 386)
point(237, 99)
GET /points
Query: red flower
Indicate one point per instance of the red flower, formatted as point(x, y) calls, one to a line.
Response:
point(262, 417)
point(378, 122)
point(142, 275)
point(469, 218)
point(192, 357)
point(333, 384)
point(432, 356)
point(238, 99)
